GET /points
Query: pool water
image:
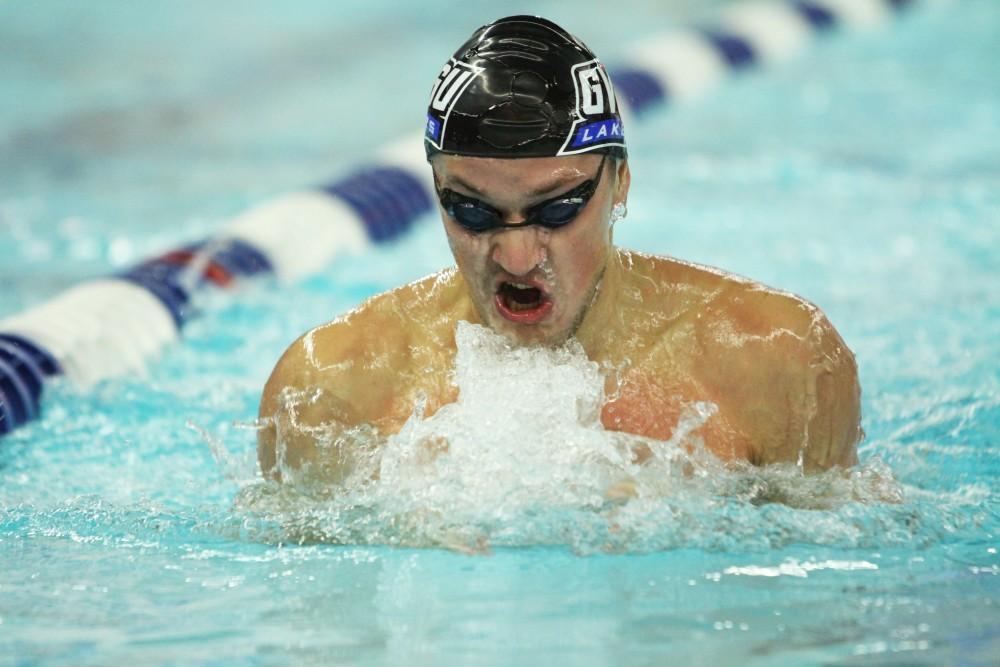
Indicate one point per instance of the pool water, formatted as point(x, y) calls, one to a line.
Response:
point(863, 175)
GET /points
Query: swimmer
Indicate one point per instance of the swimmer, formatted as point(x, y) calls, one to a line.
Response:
point(530, 167)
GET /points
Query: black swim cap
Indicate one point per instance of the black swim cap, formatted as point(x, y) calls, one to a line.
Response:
point(523, 87)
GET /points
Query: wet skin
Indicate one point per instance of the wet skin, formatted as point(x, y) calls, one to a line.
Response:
point(784, 381)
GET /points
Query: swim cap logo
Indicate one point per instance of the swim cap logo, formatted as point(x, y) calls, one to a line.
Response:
point(597, 122)
point(591, 85)
point(454, 78)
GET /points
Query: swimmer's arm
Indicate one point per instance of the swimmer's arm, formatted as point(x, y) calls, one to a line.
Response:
point(834, 430)
point(303, 414)
point(785, 382)
point(822, 393)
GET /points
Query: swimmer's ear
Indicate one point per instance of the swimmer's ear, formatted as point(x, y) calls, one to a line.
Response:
point(623, 181)
point(435, 164)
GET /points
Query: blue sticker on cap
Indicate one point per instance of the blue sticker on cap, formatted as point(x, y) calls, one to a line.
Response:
point(598, 132)
point(433, 127)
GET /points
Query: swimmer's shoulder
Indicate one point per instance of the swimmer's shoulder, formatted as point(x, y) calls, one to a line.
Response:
point(676, 283)
point(360, 354)
point(792, 378)
point(720, 299)
point(388, 323)
point(419, 315)
point(772, 360)
point(749, 310)
point(349, 371)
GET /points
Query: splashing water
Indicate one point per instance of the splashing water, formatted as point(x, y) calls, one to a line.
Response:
point(521, 458)
point(524, 432)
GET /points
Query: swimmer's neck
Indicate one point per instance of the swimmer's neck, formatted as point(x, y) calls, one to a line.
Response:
point(599, 330)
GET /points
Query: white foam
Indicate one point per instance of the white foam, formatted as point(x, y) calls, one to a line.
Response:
point(525, 431)
point(794, 568)
point(522, 458)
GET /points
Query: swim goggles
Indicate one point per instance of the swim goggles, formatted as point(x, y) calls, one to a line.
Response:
point(477, 216)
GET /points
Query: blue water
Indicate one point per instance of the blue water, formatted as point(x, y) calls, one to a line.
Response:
point(864, 175)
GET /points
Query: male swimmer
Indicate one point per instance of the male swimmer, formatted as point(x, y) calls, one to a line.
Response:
point(528, 154)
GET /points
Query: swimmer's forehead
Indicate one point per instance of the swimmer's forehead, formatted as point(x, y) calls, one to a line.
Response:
point(531, 176)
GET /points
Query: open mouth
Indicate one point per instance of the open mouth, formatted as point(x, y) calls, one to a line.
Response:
point(523, 303)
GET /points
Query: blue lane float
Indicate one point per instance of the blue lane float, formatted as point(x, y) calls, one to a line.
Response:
point(734, 49)
point(386, 199)
point(818, 16)
point(24, 367)
point(115, 326)
point(639, 90)
point(174, 276)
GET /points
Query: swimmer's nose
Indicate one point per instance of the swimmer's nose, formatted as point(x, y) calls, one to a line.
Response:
point(518, 251)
